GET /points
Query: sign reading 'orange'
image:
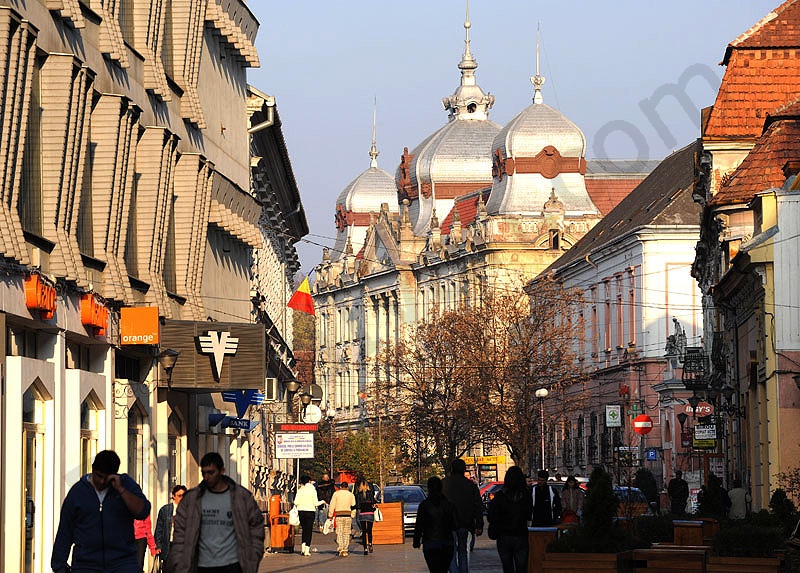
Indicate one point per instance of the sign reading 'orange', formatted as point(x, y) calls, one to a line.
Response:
point(138, 325)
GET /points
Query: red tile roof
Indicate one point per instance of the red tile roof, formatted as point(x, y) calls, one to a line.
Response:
point(763, 167)
point(467, 206)
point(606, 193)
point(763, 72)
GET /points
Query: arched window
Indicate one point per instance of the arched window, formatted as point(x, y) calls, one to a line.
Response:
point(90, 418)
point(33, 440)
point(136, 443)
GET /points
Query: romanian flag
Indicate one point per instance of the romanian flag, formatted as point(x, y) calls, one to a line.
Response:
point(301, 299)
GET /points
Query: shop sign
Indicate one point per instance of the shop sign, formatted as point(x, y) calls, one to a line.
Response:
point(294, 445)
point(705, 432)
point(41, 296)
point(138, 325)
point(94, 315)
point(218, 344)
point(703, 409)
point(484, 460)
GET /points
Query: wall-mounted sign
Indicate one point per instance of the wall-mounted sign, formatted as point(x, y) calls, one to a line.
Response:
point(613, 416)
point(40, 296)
point(642, 424)
point(94, 314)
point(242, 399)
point(215, 356)
point(138, 325)
point(703, 409)
point(705, 432)
point(294, 445)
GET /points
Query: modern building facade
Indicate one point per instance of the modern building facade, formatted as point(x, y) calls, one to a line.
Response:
point(134, 225)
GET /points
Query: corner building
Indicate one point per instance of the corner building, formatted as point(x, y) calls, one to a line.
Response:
point(126, 184)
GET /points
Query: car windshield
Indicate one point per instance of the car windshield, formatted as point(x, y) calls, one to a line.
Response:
point(406, 495)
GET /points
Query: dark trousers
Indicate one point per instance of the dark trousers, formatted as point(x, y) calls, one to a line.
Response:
point(366, 533)
point(513, 551)
point(438, 556)
point(141, 548)
point(460, 561)
point(307, 524)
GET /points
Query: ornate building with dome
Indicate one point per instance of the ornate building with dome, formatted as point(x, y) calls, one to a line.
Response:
point(476, 206)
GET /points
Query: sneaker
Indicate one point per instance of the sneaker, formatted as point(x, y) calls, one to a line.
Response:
point(366, 552)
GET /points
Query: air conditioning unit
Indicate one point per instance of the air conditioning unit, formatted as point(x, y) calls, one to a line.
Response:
point(271, 390)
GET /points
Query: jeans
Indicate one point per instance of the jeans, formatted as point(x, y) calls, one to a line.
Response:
point(460, 561)
point(513, 551)
point(322, 514)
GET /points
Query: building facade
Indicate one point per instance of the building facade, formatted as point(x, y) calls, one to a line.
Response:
point(131, 223)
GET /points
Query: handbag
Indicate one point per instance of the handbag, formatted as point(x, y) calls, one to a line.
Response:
point(157, 566)
point(328, 526)
point(378, 515)
point(294, 516)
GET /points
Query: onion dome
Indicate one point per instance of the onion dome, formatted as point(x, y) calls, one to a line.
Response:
point(455, 159)
point(537, 154)
point(363, 195)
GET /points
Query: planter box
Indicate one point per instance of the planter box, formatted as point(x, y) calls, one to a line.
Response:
point(687, 532)
point(390, 530)
point(584, 562)
point(743, 565)
point(662, 559)
point(538, 538)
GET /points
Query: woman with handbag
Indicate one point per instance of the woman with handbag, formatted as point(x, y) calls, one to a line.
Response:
point(365, 502)
point(306, 502)
point(571, 502)
point(509, 512)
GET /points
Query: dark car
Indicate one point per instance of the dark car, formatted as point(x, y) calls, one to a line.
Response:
point(411, 496)
point(632, 502)
point(487, 492)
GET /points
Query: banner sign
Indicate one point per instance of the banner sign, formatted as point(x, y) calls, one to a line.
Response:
point(295, 427)
point(293, 445)
point(705, 432)
point(613, 416)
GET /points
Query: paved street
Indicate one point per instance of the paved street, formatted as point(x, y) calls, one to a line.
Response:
point(384, 558)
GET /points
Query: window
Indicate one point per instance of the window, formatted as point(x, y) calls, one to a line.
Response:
point(555, 239)
point(168, 272)
point(126, 21)
point(166, 40)
point(78, 356)
point(131, 258)
point(90, 417)
point(136, 443)
point(30, 192)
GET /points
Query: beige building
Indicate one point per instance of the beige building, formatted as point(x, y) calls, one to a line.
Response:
point(126, 131)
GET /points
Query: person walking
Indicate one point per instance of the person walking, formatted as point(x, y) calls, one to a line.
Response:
point(365, 503)
point(164, 520)
point(508, 515)
point(571, 501)
point(143, 538)
point(678, 492)
point(96, 521)
point(306, 502)
point(464, 494)
point(342, 509)
point(436, 522)
point(740, 500)
point(325, 488)
point(219, 527)
point(546, 502)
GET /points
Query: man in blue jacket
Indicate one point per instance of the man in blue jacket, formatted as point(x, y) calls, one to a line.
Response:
point(97, 521)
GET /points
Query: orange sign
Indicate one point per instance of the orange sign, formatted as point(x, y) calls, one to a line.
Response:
point(41, 296)
point(94, 314)
point(138, 325)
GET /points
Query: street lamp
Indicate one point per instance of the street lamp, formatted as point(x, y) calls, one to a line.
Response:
point(167, 360)
point(330, 415)
point(541, 394)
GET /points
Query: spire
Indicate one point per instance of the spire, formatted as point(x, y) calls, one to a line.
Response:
point(538, 79)
point(468, 101)
point(373, 151)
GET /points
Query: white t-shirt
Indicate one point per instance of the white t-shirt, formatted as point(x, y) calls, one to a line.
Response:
point(217, 544)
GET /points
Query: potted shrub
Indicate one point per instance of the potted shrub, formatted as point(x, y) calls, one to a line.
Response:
point(750, 546)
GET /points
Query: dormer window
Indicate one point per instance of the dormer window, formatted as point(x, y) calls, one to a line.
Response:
point(471, 107)
point(555, 239)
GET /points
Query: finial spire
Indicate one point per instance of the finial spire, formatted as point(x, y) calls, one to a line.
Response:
point(467, 65)
point(373, 151)
point(538, 79)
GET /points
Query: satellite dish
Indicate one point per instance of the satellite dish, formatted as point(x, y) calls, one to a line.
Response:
point(311, 414)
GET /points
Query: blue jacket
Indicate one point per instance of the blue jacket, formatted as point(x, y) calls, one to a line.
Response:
point(101, 537)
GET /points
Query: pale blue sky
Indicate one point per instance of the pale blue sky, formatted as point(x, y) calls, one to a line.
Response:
point(326, 61)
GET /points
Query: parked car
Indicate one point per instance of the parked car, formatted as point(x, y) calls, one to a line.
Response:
point(487, 492)
point(411, 496)
point(632, 502)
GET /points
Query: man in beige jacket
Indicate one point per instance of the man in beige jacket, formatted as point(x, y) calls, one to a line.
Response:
point(342, 507)
point(218, 526)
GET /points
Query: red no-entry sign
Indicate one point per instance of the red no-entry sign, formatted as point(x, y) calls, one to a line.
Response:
point(642, 424)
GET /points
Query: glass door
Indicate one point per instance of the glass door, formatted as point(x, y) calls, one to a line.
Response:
point(33, 484)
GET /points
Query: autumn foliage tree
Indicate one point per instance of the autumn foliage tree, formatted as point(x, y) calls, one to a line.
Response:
point(469, 375)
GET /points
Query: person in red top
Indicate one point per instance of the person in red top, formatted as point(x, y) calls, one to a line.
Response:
point(143, 532)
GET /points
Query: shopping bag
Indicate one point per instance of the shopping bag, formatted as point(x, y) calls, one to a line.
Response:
point(378, 515)
point(328, 526)
point(294, 517)
point(157, 566)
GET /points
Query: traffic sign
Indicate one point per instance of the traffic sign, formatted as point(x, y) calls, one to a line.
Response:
point(642, 424)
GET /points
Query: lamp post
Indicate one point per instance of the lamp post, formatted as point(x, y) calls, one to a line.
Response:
point(331, 414)
point(167, 360)
point(541, 394)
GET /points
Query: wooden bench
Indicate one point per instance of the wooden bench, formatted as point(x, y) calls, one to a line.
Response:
point(669, 560)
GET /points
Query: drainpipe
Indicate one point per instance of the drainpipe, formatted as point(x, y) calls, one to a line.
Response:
point(270, 103)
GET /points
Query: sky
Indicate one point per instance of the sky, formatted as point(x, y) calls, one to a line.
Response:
point(605, 64)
